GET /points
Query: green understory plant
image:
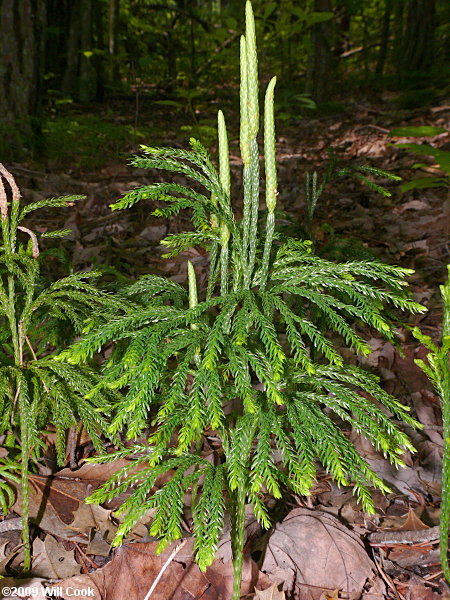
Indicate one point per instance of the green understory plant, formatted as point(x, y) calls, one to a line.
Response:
point(438, 371)
point(442, 157)
point(242, 360)
point(36, 315)
point(335, 170)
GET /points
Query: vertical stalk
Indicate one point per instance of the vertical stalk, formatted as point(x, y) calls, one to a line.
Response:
point(224, 261)
point(224, 177)
point(253, 127)
point(271, 177)
point(25, 453)
point(445, 505)
point(193, 301)
point(252, 72)
point(9, 225)
point(312, 196)
point(25, 450)
point(238, 539)
point(213, 268)
point(192, 284)
point(240, 444)
point(444, 392)
point(254, 187)
point(245, 151)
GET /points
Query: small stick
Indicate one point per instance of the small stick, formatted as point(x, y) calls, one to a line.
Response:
point(15, 191)
point(12, 184)
point(72, 448)
point(86, 557)
point(34, 242)
point(33, 353)
point(3, 201)
point(389, 538)
point(164, 568)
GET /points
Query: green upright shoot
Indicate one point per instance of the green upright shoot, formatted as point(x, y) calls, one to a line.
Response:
point(36, 315)
point(438, 371)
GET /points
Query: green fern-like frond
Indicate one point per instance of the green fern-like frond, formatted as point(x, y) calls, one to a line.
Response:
point(208, 515)
point(38, 317)
point(63, 201)
point(9, 472)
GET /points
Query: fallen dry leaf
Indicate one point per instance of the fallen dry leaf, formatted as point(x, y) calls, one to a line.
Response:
point(318, 553)
point(52, 506)
point(52, 561)
point(409, 478)
point(414, 205)
point(418, 590)
point(412, 522)
point(90, 476)
point(33, 588)
point(93, 516)
point(382, 354)
point(252, 530)
point(7, 555)
point(134, 567)
point(272, 593)
point(414, 557)
point(220, 573)
point(428, 411)
point(57, 503)
point(97, 545)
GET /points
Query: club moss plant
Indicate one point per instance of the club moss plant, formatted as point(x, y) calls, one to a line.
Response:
point(242, 362)
point(438, 371)
point(35, 316)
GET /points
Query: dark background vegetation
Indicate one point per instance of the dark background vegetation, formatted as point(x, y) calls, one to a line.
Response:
point(77, 76)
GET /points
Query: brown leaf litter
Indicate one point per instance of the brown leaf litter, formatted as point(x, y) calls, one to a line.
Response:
point(311, 552)
point(135, 567)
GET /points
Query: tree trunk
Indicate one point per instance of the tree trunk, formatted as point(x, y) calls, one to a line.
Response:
point(87, 73)
point(385, 30)
point(22, 24)
point(321, 62)
point(69, 83)
point(58, 26)
point(80, 78)
point(343, 23)
point(99, 58)
point(417, 49)
point(113, 28)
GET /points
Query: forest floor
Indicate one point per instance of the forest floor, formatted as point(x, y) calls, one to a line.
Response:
point(392, 554)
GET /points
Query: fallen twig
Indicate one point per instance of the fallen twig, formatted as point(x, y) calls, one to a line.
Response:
point(387, 538)
point(164, 567)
